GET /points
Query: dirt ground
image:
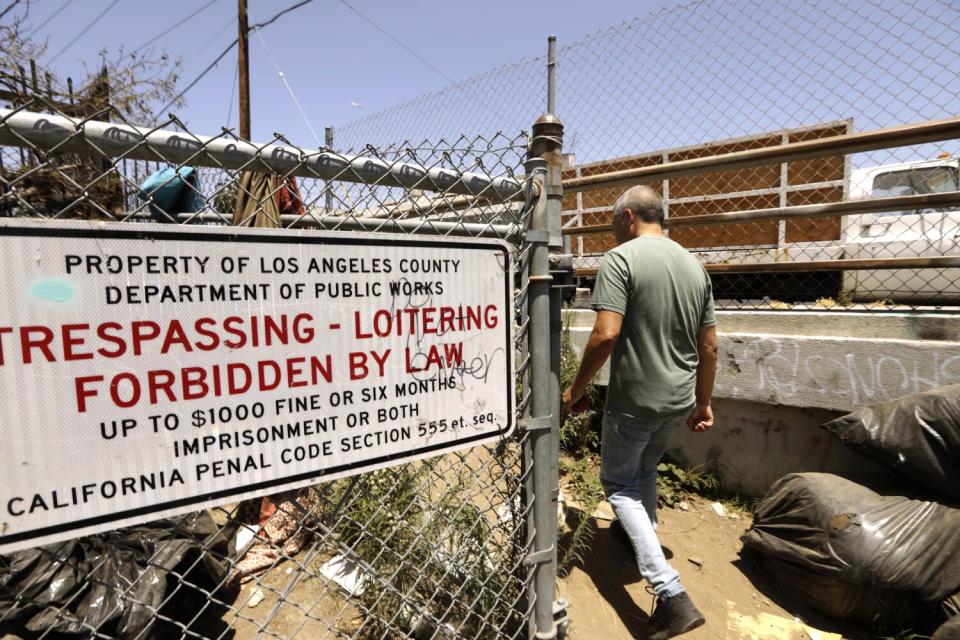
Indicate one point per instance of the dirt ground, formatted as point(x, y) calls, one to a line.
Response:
point(314, 608)
point(608, 600)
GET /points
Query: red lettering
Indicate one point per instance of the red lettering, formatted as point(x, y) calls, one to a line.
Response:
point(28, 344)
point(143, 331)
point(70, 341)
point(229, 325)
point(194, 383)
point(428, 320)
point(473, 318)
point(117, 340)
point(155, 384)
point(382, 323)
point(324, 368)
point(200, 327)
point(490, 318)
point(233, 387)
point(302, 331)
point(175, 335)
point(294, 370)
point(447, 314)
point(3, 330)
point(380, 360)
point(262, 367)
point(453, 353)
point(82, 393)
point(358, 332)
point(358, 365)
point(134, 390)
point(273, 330)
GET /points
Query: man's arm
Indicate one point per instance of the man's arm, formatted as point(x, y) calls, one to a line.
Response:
point(606, 331)
point(702, 417)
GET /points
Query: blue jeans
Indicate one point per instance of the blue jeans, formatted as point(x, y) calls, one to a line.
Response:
point(630, 451)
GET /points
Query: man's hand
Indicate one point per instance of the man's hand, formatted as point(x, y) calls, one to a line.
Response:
point(606, 331)
point(568, 398)
point(701, 419)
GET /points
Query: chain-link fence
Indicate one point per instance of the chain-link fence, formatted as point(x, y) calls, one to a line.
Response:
point(438, 548)
point(798, 147)
point(722, 77)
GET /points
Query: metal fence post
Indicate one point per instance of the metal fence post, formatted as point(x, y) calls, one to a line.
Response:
point(328, 194)
point(544, 236)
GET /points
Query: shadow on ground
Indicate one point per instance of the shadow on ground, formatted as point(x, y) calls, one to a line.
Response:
point(611, 566)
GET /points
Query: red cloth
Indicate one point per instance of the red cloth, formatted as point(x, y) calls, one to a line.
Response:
point(288, 197)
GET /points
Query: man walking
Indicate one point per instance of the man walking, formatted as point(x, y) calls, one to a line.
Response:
point(654, 305)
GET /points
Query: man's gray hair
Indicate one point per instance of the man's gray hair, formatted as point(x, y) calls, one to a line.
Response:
point(644, 202)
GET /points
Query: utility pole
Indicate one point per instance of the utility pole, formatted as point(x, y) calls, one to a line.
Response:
point(244, 69)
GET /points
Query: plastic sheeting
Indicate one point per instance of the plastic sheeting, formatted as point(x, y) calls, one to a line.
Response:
point(171, 191)
point(918, 436)
point(851, 553)
point(116, 582)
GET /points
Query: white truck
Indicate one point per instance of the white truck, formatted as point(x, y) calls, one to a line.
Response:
point(901, 234)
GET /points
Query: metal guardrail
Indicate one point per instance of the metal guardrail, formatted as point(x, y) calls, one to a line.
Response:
point(937, 262)
point(828, 210)
point(932, 131)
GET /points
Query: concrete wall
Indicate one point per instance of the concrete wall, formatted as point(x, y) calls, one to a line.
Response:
point(755, 444)
point(782, 374)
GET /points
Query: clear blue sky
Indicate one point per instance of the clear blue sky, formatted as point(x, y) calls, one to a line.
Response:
point(330, 55)
point(682, 75)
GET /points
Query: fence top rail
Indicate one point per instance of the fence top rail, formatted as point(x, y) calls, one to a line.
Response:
point(826, 210)
point(932, 131)
point(753, 137)
point(62, 134)
point(869, 264)
point(413, 226)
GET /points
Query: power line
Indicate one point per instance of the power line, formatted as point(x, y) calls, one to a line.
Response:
point(171, 28)
point(49, 18)
point(229, 48)
point(293, 96)
point(83, 31)
point(233, 93)
point(396, 40)
point(199, 77)
point(10, 7)
point(277, 15)
point(205, 71)
point(479, 100)
point(229, 23)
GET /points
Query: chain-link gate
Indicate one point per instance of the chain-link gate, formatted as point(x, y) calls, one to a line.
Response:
point(441, 548)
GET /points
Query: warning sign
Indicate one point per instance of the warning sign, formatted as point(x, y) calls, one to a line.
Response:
point(147, 371)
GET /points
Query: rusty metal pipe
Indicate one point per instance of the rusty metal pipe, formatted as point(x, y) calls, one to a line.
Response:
point(826, 210)
point(932, 131)
point(936, 262)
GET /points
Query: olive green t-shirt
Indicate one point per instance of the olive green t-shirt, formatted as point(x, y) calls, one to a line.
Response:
point(665, 296)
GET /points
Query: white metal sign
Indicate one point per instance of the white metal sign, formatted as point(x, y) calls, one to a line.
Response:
point(147, 370)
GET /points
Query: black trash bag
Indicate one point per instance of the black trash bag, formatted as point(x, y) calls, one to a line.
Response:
point(918, 436)
point(852, 554)
point(116, 582)
point(949, 630)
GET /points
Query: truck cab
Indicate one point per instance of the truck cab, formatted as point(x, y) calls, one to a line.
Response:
point(903, 234)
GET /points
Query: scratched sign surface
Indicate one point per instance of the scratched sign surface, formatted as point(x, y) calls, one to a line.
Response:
point(147, 371)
